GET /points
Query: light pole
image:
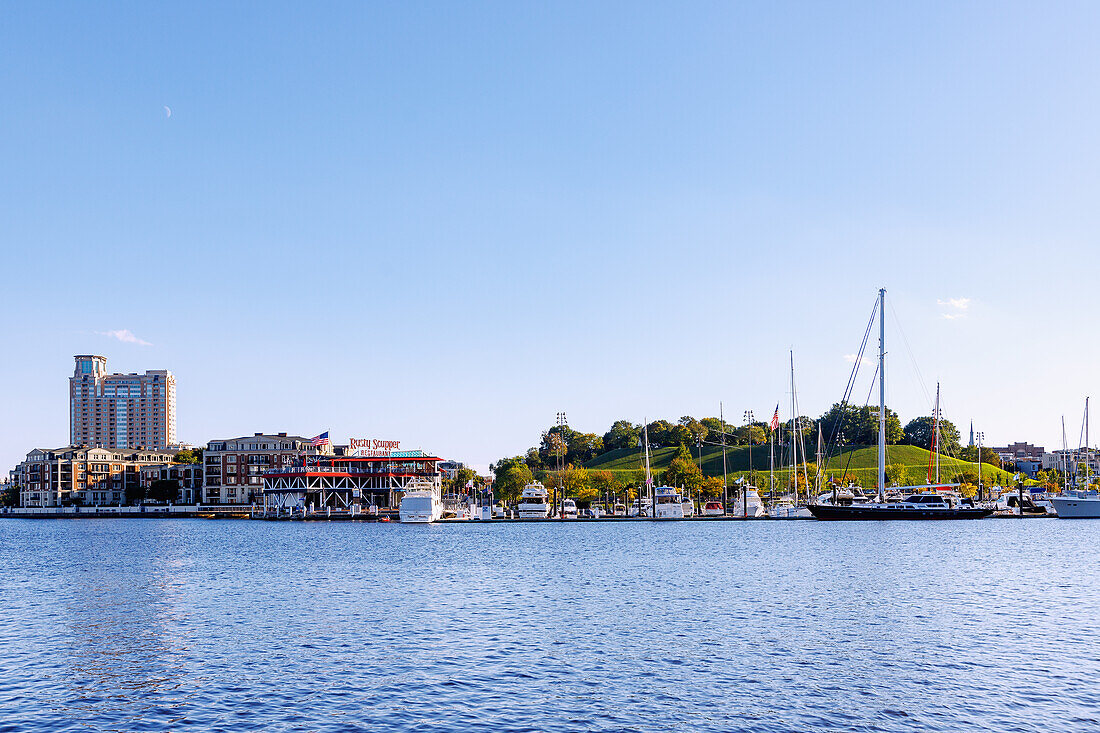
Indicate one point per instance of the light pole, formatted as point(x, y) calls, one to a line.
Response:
point(980, 436)
point(749, 419)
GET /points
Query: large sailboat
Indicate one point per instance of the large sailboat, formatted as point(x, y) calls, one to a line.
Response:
point(1080, 502)
point(920, 502)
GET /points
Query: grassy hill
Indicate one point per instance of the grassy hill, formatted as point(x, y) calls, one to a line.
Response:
point(859, 460)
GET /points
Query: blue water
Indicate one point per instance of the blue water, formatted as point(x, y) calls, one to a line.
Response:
point(126, 625)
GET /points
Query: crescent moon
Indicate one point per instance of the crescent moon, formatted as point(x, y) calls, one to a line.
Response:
point(167, 111)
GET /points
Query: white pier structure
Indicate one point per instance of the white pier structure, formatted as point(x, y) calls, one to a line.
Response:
point(346, 485)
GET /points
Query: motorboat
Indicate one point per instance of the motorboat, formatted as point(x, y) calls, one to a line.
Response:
point(569, 509)
point(713, 509)
point(689, 506)
point(640, 508)
point(1077, 504)
point(618, 510)
point(1018, 503)
point(669, 504)
point(786, 508)
point(420, 503)
point(750, 504)
point(534, 502)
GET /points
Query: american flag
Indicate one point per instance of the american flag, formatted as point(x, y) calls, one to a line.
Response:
point(321, 439)
point(774, 424)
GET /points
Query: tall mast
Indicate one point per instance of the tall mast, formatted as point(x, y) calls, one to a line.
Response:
point(794, 436)
point(725, 486)
point(882, 395)
point(817, 479)
point(1087, 476)
point(648, 478)
point(937, 437)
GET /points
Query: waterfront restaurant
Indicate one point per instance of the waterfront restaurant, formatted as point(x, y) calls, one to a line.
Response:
point(358, 477)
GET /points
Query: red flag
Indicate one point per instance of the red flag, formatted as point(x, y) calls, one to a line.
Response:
point(774, 424)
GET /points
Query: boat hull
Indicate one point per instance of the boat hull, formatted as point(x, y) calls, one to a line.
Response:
point(825, 511)
point(1071, 507)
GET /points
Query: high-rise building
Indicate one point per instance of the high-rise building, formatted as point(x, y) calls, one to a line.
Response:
point(120, 410)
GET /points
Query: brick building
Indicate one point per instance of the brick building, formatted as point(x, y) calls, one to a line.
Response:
point(233, 468)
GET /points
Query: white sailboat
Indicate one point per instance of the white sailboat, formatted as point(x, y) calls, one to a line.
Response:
point(1080, 502)
point(788, 507)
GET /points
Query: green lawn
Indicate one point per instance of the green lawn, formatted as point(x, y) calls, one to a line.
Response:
point(861, 461)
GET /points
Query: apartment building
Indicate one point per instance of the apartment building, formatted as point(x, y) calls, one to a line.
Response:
point(120, 410)
point(188, 476)
point(234, 468)
point(1019, 452)
point(81, 475)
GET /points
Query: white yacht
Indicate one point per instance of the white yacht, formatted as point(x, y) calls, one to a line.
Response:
point(1077, 504)
point(669, 504)
point(786, 508)
point(569, 509)
point(689, 506)
point(640, 508)
point(749, 505)
point(421, 503)
point(534, 502)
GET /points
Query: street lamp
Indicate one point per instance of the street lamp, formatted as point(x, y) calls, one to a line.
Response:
point(980, 437)
point(749, 419)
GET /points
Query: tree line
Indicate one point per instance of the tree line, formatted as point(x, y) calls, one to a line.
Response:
point(560, 456)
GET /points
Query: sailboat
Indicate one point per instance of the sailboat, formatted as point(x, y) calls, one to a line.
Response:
point(1080, 503)
point(920, 502)
point(787, 507)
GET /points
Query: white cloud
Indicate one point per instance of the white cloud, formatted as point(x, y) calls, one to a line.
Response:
point(960, 304)
point(851, 359)
point(124, 335)
point(955, 308)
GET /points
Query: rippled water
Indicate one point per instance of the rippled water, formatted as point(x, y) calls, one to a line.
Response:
point(759, 626)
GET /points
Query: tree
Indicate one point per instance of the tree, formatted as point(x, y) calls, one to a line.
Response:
point(660, 434)
point(623, 434)
point(696, 429)
point(577, 484)
point(512, 474)
point(682, 471)
point(919, 431)
point(10, 496)
point(603, 482)
point(584, 447)
point(189, 455)
point(712, 488)
point(135, 493)
point(859, 425)
point(163, 490)
point(897, 474)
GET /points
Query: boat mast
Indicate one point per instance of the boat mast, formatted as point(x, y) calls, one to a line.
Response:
point(817, 478)
point(882, 395)
point(725, 486)
point(771, 462)
point(794, 436)
point(648, 478)
point(936, 436)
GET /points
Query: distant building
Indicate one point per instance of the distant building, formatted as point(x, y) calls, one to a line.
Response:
point(233, 468)
point(82, 475)
point(1072, 460)
point(449, 469)
point(1016, 452)
point(120, 410)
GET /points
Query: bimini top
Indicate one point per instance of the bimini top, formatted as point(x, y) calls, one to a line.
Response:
point(666, 491)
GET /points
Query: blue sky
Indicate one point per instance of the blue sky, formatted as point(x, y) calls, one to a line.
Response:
point(443, 222)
